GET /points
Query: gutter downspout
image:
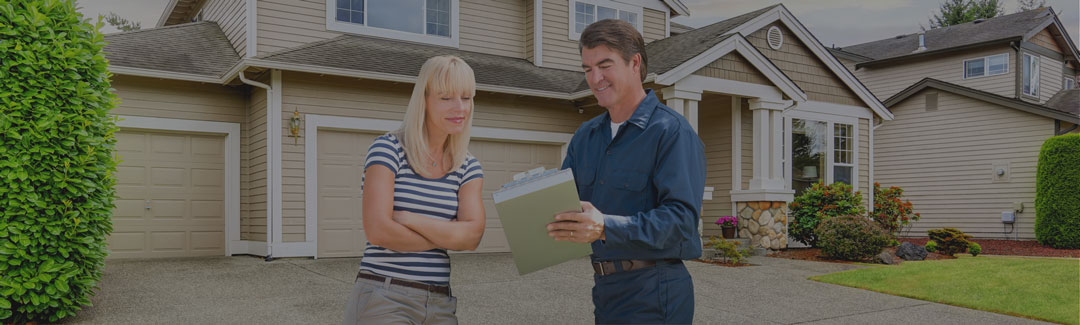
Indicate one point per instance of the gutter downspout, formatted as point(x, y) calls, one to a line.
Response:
point(269, 166)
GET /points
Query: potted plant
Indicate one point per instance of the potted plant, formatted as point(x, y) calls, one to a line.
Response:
point(727, 224)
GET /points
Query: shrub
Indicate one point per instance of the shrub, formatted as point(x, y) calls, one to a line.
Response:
point(56, 165)
point(728, 251)
point(820, 202)
point(931, 246)
point(890, 211)
point(851, 237)
point(974, 249)
point(1057, 192)
point(950, 240)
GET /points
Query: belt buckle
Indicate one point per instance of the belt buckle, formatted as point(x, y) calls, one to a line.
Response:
point(601, 266)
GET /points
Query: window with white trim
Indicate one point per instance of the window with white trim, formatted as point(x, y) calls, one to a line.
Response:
point(986, 66)
point(843, 153)
point(427, 21)
point(821, 151)
point(1031, 75)
point(1070, 83)
point(585, 12)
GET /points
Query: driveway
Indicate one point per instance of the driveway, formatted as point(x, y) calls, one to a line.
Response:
point(248, 290)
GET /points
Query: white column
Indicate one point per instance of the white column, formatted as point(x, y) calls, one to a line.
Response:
point(683, 101)
point(768, 144)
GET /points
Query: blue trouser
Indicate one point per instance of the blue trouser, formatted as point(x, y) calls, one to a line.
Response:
point(663, 294)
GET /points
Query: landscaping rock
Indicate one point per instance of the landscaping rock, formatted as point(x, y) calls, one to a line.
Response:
point(885, 258)
point(911, 252)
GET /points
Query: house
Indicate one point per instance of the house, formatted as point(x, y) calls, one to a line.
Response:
point(973, 104)
point(244, 124)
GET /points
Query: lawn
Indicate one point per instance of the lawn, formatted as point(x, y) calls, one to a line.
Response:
point(1039, 288)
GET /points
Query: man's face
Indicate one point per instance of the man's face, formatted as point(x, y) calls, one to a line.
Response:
point(610, 78)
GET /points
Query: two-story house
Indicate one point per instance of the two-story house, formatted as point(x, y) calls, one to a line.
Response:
point(244, 123)
point(973, 104)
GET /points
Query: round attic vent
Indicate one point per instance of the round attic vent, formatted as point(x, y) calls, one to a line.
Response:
point(776, 38)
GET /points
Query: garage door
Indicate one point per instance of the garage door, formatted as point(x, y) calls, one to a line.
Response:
point(340, 163)
point(170, 195)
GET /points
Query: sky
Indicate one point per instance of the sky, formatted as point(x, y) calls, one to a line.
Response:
point(839, 22)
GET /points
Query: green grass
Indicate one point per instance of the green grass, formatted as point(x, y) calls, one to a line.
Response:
point(1039, 288)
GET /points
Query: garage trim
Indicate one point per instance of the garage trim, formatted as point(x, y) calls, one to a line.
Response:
point(313, 123)
point(232, 169)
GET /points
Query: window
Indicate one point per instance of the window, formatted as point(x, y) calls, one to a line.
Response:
point(1031, 75)
point(821, 151)
point(1070, 83)
point(428, 21)
point(808, 148)
point(843, 153)
point(586, 12)
point(986, 66)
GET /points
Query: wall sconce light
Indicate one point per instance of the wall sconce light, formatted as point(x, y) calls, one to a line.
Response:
point(294, 126)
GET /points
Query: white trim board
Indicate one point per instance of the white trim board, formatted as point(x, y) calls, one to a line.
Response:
point(740, 45)
point(612, 4)
point(313, 123)
point(352, 28)
point(232, 165)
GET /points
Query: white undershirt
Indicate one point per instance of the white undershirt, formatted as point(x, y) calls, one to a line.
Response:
point(615, 128)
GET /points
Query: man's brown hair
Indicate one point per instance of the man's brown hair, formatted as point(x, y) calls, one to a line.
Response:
point(617, 35)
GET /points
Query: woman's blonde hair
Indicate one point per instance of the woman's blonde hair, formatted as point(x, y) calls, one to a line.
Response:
point(440, 75)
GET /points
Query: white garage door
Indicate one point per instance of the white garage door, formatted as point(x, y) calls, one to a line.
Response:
point(170, 195)
point(340, 163)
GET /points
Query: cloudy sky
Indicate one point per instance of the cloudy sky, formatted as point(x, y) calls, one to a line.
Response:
point(840, 22)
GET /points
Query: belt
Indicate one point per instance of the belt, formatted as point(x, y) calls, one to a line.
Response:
point(417, 285)
point(608, 267)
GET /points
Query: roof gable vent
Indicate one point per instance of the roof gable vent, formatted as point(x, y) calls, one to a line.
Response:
point(776, 37)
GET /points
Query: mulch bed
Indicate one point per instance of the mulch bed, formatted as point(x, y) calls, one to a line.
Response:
point(814, 254)
point(1011, 247)
point(720, 263)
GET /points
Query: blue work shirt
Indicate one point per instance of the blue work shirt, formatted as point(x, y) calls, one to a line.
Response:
point(648, 181)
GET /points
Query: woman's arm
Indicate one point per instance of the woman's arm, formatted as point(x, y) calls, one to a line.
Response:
point(380, 228)
point(462, 234)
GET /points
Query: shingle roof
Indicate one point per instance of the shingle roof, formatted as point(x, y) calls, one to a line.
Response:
point(403, 58)
point(994, 29)
point(668, 53)
point(1069, 114)
point(195, 48)
point(1067, 101)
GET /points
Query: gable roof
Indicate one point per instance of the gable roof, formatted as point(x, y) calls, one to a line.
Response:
point(1067, 101)
point(1057, 113)
point(199, 49)
point(666, 54)
point(998, 30)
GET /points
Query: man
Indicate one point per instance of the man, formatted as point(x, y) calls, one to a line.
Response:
point(640, 172)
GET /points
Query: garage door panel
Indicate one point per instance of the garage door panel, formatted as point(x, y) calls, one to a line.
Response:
point(163, 177)
point(340, 162)
point(168, 144)
point(208, 178)
point(169, 209)
point(207, 240)
point(500, 161)
point(208, 210)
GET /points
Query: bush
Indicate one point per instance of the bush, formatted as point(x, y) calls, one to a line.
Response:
point(890, 212)
point(974, 249)
point(950, 240)
point(56, 165)
point(931, 246)
point(1057, 193)
point(818, 203)
point(728, 251)
point(852, 238)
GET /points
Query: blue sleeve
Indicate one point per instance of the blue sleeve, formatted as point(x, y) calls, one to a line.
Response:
point(679, 179)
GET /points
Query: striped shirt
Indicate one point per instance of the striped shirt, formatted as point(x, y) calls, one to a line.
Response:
point(435, 198)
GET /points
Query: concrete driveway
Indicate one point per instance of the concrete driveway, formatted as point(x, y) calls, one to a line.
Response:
point(248, 290)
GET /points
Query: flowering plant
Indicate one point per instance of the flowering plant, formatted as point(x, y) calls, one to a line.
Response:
point(727, 221)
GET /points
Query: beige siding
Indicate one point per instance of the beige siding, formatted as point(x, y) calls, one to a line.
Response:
point(558, 50)
point(715, 130)
point(885, 81)
point(253, 222)
point(231, 15)
point(284, 24)
point(1045, 39)
point(733, 67)
point(864, 162)
point(653, 25)
point(530, 29)
point(747, 144)
point(804, 68)
point(946, 168)
point(325, 95)
point(177, 99)
point(493, 27)
point(1051, 78)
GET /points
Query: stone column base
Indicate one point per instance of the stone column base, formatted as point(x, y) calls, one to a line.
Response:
point(764, 223)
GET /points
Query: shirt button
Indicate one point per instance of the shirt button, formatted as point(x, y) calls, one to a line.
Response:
point(609, 152)
point(601, 182)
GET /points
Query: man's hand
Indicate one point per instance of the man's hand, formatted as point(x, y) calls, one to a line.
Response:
point(580, 227)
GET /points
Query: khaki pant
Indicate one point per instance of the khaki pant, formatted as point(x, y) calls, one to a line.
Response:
point(379, 302)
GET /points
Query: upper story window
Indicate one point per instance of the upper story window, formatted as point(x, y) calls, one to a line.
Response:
point(585, 12)
point(986, 66)
point(1031, 75)
point(426, 21)
point(1070, 83)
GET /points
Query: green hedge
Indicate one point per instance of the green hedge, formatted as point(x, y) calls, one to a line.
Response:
point(852, 238)
point(56, 162)
point(1057, 192)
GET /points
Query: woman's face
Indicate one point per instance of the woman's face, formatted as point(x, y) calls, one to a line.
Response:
point(447, 113)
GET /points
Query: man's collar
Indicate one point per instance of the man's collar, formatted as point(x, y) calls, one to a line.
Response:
point(641, 114)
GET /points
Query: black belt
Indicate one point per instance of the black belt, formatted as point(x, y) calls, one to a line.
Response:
point(411, 284)
point(608, 267)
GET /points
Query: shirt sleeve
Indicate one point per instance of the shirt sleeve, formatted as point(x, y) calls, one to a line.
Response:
point(473, 171)
point(384, 151)
point(679, 179)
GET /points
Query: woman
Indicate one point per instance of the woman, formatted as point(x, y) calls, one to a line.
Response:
point(421, 198)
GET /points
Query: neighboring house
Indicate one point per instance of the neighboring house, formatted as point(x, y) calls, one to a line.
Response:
point(973, 104)
point(245, 131)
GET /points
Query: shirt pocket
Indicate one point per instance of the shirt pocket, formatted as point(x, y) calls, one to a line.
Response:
point(630, 180)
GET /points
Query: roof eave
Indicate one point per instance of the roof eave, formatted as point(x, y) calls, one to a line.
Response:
point(165, 14)
point(936, 52)
point(978, 95)
point(678, 7)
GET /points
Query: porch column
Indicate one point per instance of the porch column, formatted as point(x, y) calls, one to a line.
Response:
point(762, 209)
point(685, 102)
